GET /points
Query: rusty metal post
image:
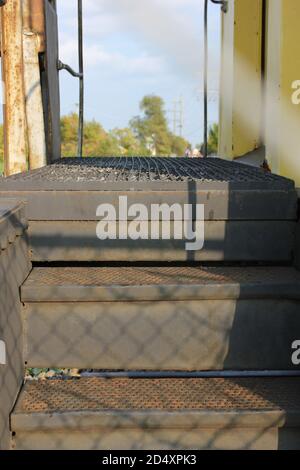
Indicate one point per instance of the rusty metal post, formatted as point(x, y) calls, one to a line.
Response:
point(15, 141)
point(32, 34)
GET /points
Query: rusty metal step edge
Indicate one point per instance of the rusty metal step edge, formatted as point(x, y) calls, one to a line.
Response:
point(75, 293)
point(182, 419)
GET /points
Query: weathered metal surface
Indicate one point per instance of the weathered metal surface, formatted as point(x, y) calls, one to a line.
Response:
point(297, 257)
point(13, 222)
point(147, 169)
point(158, 414)
point(15, 154)
point(218, 204)
point(185, 335)
point(224, 241)
point(52, 104)
point(34, 20)
point(34, 104)
point(215, 394)
point(140, 438)
point(14, 268)
point(139, 283)
point(297, 251)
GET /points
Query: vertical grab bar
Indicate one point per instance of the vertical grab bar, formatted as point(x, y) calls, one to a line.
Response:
point(205, 149)
point(224, 7)
point(80, 76)
point(81, 80)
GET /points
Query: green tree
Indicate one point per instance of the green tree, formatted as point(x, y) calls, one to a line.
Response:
point(97, 142)
point(178, 145)
point(127, 142)
point(212, 141)
point(152, 128)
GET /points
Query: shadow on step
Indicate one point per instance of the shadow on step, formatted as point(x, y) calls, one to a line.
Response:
point(165, 414)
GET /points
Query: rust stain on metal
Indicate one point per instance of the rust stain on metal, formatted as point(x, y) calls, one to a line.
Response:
point(14, 107)
point(33, 35)
point(34, 20)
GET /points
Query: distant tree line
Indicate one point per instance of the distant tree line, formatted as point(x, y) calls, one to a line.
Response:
point(147, 134)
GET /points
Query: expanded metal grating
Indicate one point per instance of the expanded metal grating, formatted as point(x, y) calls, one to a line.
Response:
point(158, 275)
point(96, 394)
point(145, 169)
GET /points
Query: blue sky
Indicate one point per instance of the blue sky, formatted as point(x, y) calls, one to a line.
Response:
point(138, 47)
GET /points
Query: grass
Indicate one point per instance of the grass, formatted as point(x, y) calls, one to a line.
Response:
point(1, 167)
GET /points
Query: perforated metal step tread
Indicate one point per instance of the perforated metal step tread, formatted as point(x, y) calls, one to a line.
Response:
point(225, 395)
point(96, 394)
point(95, 413)
point(159, 282)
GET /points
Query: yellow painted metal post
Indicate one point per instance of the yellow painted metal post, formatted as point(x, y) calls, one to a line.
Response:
point(241, 79)
point(15, 155)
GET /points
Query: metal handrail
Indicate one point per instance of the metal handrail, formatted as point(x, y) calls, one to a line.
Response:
point(224, 8)
point(81, 79)
point(79, 75)
point(223, 3)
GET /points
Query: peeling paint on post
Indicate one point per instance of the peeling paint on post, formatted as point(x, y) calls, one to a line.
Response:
point(34, 20)
point(33, 100)
point(33, 91)
point(15, 154)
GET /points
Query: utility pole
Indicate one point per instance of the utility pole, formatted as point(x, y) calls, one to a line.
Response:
point(175, 118)
point(181, 110)
point(178, 116)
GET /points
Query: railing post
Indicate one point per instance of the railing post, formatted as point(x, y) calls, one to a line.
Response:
point(15, 142)
point(32, 38)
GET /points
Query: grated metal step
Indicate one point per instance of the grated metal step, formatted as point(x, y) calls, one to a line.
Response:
point(145, 169)
point(160, 413)
point(158, 283)
point(249, 215)
point(162, 318)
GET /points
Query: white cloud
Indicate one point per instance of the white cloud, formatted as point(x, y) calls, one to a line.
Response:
point(95, 56)
point(169, 29)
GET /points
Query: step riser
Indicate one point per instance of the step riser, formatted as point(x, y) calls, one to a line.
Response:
point(169, 335)
point(250, 241)
point(227, 204)
point(161, 439)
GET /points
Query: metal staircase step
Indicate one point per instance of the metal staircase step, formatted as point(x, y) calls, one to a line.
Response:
point(161, 318)
point(170, 282)
point(250, 215)
point(214, 413)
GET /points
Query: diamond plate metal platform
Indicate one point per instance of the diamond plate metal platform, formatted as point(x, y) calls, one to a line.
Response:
point(161, 318)
point(213, 394)
point(164, 414)
point(158, 283)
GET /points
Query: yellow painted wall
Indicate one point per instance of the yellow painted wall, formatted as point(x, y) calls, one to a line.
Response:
point(241, 86)
point(282, 122)
point(253, 112)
